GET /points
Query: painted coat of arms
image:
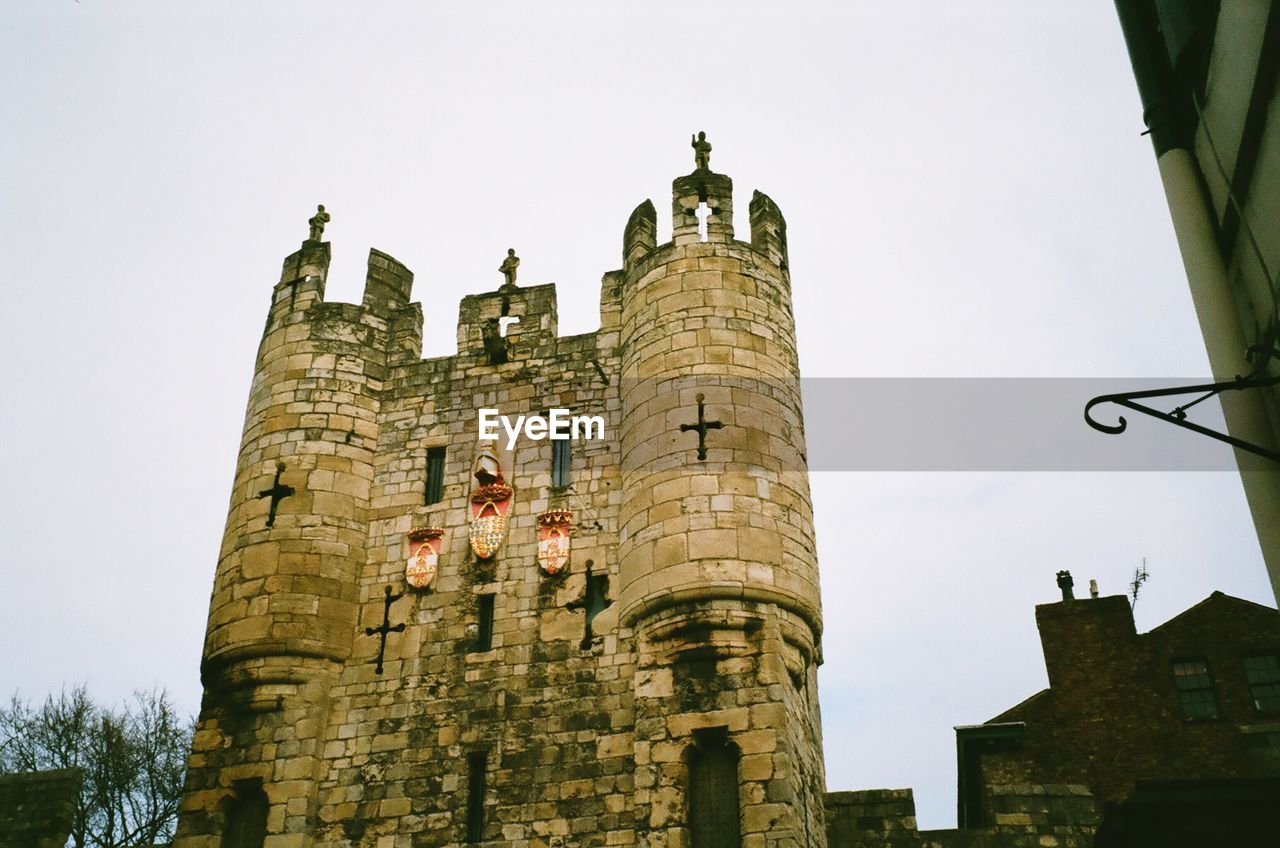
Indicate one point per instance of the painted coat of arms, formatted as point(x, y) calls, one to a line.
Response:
point(554, 527)
point(424, 556)
point(491, 502)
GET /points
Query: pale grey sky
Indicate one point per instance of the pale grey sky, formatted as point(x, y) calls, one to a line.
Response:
point(966, 195)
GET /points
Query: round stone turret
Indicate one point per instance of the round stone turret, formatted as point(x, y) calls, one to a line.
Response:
point(713, 319)
point(718, 576)
point(285, 595)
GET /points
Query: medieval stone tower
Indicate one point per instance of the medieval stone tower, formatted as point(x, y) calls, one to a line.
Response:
point(399, 653)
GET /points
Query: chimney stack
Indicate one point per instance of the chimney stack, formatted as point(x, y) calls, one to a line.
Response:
point(1065, 583)
point(1093, 588)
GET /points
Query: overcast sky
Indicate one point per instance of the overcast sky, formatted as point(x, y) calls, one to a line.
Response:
point(967, 195)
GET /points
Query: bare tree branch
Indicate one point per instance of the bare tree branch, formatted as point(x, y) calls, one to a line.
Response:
point(133, 760)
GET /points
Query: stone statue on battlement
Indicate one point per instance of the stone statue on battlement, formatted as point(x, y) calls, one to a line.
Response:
point(508, 268)
point(701, 151)
point(317, 223)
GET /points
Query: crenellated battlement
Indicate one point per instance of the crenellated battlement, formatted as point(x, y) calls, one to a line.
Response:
point(388, 283)
point(768, 229)
point(512, 323)
point(702, 213)
point(641, 234)
point(509, 324)
point(520, 322)
point(701, 208)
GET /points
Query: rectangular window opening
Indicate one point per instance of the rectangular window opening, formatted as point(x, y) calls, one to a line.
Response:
point(1263, 674)
point(1195, 689)
point(434, 491)
point(714, 812)
point(560, 463)
point(477, 764)
point(246, 825)
point(484, 635)
point(594, 603)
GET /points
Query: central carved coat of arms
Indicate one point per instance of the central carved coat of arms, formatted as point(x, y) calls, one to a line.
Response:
point(491, 502)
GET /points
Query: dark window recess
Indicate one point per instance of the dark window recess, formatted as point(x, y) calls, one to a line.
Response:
point(1263, 750)
point(484, 635)
point(477, 763)
point(1195, 689)
point(714, 819)
point(560, 461)
point(1263, 674)
point(434, 491)
point(246, 817)
point(495, 344)
point(595, 602)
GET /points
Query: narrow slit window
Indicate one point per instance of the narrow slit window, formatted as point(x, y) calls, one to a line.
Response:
point(484, 635)
point(1195, 689)
point(714, 812)
point(1263, 674)
point(560, 463)
point(477, 779)
point(434, 491)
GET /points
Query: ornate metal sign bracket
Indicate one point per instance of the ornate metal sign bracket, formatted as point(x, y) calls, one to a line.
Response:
point(1257, 379)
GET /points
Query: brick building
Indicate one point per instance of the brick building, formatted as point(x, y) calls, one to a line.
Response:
point(1167, 738)
point(1184, 718)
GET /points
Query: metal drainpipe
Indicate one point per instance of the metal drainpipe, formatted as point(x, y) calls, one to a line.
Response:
point(1167, 113)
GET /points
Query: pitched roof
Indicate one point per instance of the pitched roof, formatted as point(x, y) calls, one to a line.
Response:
point(1216, 606)
point(1019, 711)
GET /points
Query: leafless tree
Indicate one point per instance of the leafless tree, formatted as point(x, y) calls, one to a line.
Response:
point(133, 761)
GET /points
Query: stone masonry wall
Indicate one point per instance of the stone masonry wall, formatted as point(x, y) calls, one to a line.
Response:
point(1053, 816)
point(711, 573)
point(553, 716)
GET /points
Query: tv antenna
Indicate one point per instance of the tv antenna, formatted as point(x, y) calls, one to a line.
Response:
point(1139, 577)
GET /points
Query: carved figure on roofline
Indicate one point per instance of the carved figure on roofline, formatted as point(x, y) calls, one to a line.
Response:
point(317, 223)
point(508, 268)
point(701, 152)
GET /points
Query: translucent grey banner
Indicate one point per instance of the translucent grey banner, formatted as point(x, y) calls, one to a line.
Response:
point(865, 424)
point(944, 424)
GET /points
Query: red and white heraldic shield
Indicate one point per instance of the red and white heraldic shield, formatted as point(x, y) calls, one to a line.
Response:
point(491, 502)
point(424, 557)
point(554, 528)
